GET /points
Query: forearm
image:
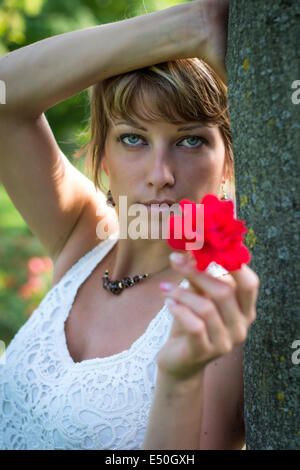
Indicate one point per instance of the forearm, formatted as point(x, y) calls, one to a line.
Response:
point(176, 414)
point(40, 75)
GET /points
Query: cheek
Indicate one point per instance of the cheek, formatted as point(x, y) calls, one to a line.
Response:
point(213, 161)
point(124, 175)
point(201, 169)
point(203, 177)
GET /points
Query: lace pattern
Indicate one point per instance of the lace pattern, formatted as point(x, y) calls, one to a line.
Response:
point(48, 401)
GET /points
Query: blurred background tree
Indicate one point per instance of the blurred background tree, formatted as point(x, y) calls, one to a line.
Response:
point(25, 270)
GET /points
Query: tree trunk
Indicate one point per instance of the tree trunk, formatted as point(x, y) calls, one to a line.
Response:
point(264, 95)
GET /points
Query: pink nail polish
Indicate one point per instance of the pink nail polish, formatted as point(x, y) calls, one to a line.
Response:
point(166, 286)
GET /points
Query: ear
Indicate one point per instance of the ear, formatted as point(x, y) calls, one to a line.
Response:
point(103, 165)
point(226, 169)
point(225, 176)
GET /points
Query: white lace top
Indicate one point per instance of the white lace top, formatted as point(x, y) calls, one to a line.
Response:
point(48, 401)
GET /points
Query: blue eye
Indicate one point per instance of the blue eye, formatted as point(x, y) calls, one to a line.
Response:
point(193, 137)
point(124, 136)
point(135, 138)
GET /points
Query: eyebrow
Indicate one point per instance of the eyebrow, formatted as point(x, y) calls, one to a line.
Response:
point(135, 124)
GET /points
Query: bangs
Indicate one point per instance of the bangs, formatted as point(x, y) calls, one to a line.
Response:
point(146, 103)
point(153, 95)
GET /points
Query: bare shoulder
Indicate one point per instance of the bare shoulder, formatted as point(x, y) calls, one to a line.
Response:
point(223, 414)
point(85, 235)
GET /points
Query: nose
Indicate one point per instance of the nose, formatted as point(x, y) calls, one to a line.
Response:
point(159, 171)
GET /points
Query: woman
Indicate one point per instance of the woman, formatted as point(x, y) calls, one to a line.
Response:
point(91, 369)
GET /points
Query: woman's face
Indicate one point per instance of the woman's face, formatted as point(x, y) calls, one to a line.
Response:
point(163, 161)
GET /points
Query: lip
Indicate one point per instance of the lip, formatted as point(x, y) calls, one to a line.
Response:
point(155, 201)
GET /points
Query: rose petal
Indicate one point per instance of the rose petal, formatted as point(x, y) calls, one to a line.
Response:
point(223, 233)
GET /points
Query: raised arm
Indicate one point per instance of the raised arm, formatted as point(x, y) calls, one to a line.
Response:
point(51, 70)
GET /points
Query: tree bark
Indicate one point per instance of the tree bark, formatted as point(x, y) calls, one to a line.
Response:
point(263, 66)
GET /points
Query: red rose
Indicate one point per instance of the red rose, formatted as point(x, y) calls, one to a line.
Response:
point(221, 236)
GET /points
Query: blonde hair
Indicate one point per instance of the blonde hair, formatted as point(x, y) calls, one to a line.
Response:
point(182, 90)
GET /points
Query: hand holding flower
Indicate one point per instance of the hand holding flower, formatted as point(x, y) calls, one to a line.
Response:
point(210, 317)
point(213, 314)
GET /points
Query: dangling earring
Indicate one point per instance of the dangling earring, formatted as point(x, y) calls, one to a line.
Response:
point(109, 199)
point(224, 196)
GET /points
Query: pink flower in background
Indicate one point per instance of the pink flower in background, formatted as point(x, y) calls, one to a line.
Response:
point(39, 265)
point(48, 264)
point(35, 266)
point(34, 284)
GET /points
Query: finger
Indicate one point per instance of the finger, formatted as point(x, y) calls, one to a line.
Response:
point(228, 278)
point(215, 327)
point(202, 281)
point(247, 287)
point(190, 323)
point(227, 306)
point(179, 261)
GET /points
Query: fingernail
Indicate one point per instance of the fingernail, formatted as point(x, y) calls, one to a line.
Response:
point(177, 258)
point(191, 258)
point(170, 302)
point(166, 286)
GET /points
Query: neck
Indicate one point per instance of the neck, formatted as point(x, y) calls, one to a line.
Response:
point(134, 257)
